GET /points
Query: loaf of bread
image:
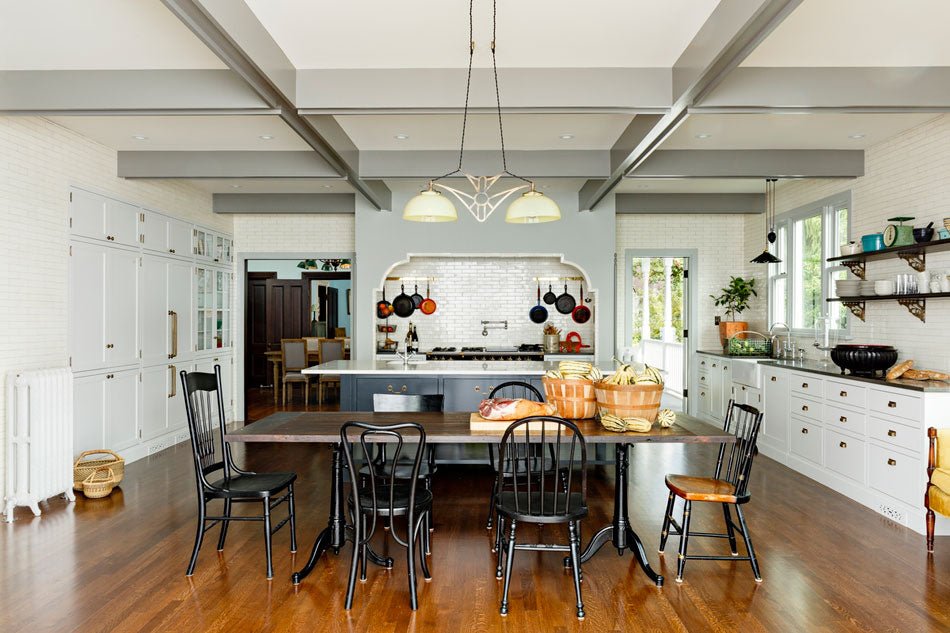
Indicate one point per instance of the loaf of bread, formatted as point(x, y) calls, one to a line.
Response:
point(513, 409)
point(924, 374)
point(899, 370)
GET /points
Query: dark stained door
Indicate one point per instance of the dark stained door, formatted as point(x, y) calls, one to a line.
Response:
point(288, 310)
point(255, 343)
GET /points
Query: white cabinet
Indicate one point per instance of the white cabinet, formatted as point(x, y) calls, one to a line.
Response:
point(121, 323)
point(106, 411)
point(156, 392)
point(212, 309)
point(101, 218)
point(165, 314)
point(180, 302)
point(166, 234)
point(179, 237)
point(175, 416)
point(211, 246)
point(122, 222)
point(89, 413)
point(774, 433)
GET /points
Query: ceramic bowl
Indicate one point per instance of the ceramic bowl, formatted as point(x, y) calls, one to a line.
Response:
point(872, 242)
point(884, 287)
point(923, 235)
point(851, 248)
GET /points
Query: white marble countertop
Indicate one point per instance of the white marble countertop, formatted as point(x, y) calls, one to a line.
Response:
point(441, 368)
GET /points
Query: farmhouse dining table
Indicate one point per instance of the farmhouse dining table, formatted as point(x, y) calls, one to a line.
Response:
point(453, 428)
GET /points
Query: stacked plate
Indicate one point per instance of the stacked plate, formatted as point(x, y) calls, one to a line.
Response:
point(866, 288)
point(848, 287)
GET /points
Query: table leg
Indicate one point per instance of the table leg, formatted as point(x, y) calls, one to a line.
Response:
point(334, 535)
point(274, 363)
point(619, 533)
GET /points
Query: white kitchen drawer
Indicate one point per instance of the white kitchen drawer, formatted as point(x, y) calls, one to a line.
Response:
point(846, 392)
point(894, 473)
point(806, 383)
point(896, 434)
point(805, 440)
point(844, 455)
point(705, 380)
point(705, 400)
point(705, 362)
point(806, 408)
point(844, 419)
point(888, 404)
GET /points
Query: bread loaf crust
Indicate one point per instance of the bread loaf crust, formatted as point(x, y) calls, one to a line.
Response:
point(898, 370)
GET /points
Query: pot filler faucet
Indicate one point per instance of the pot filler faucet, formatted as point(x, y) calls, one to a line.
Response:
point(493, 325)
point(787, 350)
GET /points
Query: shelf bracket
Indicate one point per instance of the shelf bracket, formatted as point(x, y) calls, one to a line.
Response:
point(917, 307)
point(856, 307)
point(917, 261)
point(857, 269)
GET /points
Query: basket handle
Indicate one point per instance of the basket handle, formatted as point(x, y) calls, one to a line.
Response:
point(93, 474)
point(96, 452)
point(764, 337)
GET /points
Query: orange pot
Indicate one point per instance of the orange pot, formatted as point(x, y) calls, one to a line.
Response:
point(729, 328)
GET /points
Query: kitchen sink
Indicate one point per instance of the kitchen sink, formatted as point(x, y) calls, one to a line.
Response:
point(420, 361)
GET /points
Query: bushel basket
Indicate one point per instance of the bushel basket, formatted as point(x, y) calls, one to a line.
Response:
point(574, 399)
point(629, 401)
point(83, 467)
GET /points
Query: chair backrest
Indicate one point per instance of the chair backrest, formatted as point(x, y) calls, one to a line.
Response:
point(538, 487)
point(330, 349)
point(312, 343)
point(294, 351)
point(339, 332)
point(516, 389)
point(373, 433)
point(744, 422)
point(407, 402)
point(203, 404)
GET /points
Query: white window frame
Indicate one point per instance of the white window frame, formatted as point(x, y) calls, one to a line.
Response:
point(828, 209)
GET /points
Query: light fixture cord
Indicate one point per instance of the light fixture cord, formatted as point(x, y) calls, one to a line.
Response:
point(468, 90)
point(494, 65)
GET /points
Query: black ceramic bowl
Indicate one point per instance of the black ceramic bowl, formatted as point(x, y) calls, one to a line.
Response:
point(923, 235)
point(864, 360)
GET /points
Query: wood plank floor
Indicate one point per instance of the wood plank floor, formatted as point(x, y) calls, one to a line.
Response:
point(117, 564)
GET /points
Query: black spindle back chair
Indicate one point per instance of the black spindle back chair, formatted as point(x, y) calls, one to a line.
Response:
point(386, 496)
point(540, 492)
point(729, 486)
point(204, 406)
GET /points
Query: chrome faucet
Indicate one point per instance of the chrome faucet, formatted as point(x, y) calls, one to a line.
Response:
point(486, 325)
point(788, 349)
point(406, 356)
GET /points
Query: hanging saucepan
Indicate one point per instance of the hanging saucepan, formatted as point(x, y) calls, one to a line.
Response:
point(383, 308)
point(565, 303)
point(428, 305)
point(538, 314)
point(549, 296)
point(581, 313)
point(416, 297)
point(403, 305)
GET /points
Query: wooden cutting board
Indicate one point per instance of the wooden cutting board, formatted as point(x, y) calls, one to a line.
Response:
point(478, 423)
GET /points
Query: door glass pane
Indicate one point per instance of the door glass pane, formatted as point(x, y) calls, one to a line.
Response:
point(780, 299)
point(219, 328)
point(837, 312)
point(841, 231)
point(219, 289)
point(807, 271)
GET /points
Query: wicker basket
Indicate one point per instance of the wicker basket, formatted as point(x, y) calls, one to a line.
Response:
point(628, 401)
point(82, 469)
point(574, 399)
point(99, 483)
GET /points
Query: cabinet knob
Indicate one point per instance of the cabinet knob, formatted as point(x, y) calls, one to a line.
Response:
point(491, 388)
point(702, 362)
point(773, 379)
point(804, 385)
point(844, 394)
point(171, 250)
point(804, 407)
point(891, 433)
point(892, 462)
point(743, 388)
point(843, 444)
point(725, 367)
point(477, 388)
point(843, 419)
point(389, 388)
point(110, 346)
point(892, 404)
point(804, 431)
point(702, 393)
point(714, 364)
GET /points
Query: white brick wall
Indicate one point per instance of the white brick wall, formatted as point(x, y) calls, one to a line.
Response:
point(38, 162)
point(269, 233)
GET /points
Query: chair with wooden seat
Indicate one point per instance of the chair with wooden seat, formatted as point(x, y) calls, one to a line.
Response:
point(294, 352)
point(339, 332)
point(204, 403)
point(329, 349)
point(937, 497)
point(728, 486)
point(535, 496)
point(387, 498)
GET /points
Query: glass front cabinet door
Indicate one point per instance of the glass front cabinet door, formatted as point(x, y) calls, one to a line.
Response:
point(213, 301)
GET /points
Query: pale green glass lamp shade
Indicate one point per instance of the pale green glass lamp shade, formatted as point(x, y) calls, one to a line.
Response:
point(430, 206)
point(533, 207)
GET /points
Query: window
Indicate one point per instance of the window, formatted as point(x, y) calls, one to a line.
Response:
point(800, 285)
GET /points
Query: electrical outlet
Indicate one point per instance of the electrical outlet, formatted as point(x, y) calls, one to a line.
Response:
point(892, 513)
point(718, 319)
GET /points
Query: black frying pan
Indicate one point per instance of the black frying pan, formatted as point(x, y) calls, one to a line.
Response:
point(383, 308)
point(549, 296)
point(581, 313)
point(564, 303)
point(403, 305)
point(538, 313)
point(416, 297)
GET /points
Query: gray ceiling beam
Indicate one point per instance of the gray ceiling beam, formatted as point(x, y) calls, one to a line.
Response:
point(752, 163)
point(231, 30)
point(60, 92)
point(303, 203)
point(731, 33)
point(223, 164)
point(674, 203)
point(530, 164)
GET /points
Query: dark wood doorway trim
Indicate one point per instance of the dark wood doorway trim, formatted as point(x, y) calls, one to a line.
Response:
point(255, 330)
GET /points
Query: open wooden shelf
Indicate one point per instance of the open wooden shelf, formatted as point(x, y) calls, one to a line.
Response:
point(914, 254)
point(916, 304)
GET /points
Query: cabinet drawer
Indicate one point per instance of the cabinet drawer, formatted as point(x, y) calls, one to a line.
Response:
point(705, 401)
point(844, 419)
point(366, 387)
point(844, 455)
point(894, 473)
point(465, 394)
point(805, 441)
point(846, 393)
point(705, 380)
point(806, 383)
point(806, 408)
point(895, 434)
point(888, 403)
point(705, 362)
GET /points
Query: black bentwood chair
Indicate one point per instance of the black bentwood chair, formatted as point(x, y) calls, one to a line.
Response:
point(540, 494)
point(203, 402)
point(388, 499)
point(728, 487)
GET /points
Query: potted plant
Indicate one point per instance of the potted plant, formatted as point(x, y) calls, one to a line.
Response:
point(735, 298)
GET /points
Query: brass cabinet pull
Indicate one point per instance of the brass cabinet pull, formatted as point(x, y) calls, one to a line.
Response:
point(804, 407)
point(702, 362)
point(714, 364)
point(804, 385)
point(725, 367)
point(892, 462)
point(805, 431)
point(171, 250)
point(702, 393)
point(477, 388)
point(891, 433)
point(174, 386)
point(743, 388)
point(843, 444)
point(109, 345)
point(773, 378)
point(110, 375)
point(843, 419)
point(403, 388)
point(389, 388)
point(892, 404)
point(844, 394)
point(491, 388)
point(174, 316)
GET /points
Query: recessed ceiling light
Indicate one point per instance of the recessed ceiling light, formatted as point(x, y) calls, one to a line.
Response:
point(327, 186)
point(641, 186)
point(857, 135)
point(703, 135)
point(266, 137)
point(401, 137)
point(566, 137)
point(140, 138)
point(235, 186)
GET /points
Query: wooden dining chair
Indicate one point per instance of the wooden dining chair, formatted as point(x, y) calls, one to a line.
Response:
point(313, 349)
point(537, 497)
point(294, 351)
point(386, 497)
point(339, 332)
point(729, 486)
point(204, 403)
point(329, 349)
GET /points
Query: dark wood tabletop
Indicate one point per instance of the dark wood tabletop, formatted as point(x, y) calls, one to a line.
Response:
point(453, 428)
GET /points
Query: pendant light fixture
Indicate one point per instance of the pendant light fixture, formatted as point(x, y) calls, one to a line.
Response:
point(766, 257)
point(531, 207)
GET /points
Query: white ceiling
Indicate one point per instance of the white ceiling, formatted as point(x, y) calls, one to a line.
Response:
point(789, 131)
point(184, 133)
point(434, 33)
point(97, 34)
point(271, 185)
point(859, 33)
point(522, 131)
point(691, 185)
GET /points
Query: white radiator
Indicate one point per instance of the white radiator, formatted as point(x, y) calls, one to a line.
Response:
point(39, 421)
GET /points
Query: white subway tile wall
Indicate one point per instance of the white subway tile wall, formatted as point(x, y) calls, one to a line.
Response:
point(39, 160)
point(271, 233)
point(469, 290)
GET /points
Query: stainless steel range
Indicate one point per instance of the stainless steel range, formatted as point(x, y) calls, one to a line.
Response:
point(522, 352)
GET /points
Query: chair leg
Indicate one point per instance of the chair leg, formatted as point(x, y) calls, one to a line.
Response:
point(491, 502)
point(364, 553)
point(424, 537)
point(930, 530)
point(665, 531)
point(267, 539)
point(198, 537)
point(320, 393)
point(576, 564)
point(411, 559)
point(427, 482)
point(224, 524)
point(354, 563)
point(508, 560)
point(684, 540)
point(729, 530)
point(293, 520)
point(306, 394)
point(284, 391)
point(748, 544)
point(499, 550)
